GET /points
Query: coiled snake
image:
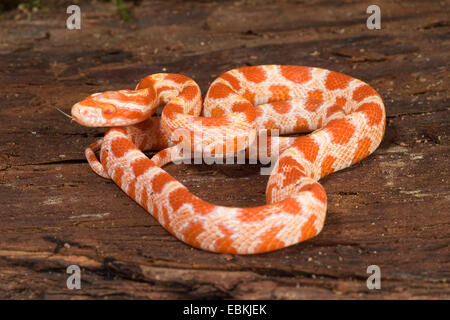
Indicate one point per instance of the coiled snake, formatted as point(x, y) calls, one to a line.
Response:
point(345, 116)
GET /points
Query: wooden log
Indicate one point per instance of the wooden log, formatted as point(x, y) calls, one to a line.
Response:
point(391, 210)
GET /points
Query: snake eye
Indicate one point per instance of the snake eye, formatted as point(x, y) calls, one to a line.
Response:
point(108, 111)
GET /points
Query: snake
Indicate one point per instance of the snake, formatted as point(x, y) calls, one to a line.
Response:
point(338, 120)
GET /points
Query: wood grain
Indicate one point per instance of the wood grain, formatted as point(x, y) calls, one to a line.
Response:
point(391, 210)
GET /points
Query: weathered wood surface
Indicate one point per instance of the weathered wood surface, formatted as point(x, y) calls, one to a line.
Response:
point(391, 210)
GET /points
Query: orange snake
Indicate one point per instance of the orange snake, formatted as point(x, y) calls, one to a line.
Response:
point(345, 116)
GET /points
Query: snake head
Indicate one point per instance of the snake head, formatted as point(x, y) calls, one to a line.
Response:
point(114, 108)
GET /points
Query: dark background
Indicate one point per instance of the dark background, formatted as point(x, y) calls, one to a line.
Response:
point(391, 209)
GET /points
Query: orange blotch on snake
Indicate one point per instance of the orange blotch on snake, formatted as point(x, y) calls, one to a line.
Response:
point(120, 146)
point(336, 80)
point(341, 130)
point(189, 93)
point(309, 147)
point(164, 215)
point(340, 101)
point(270, 125)
point(140, 166)
point(160, 180)
point(246, 108)
point(147, 82)
point(155, 210)
point(327, 165)
point(178, 78)
point(301, 125)
point(308, 229)
point(314, 101)
point(333, 109)
point(92, 157)
point(241, 106)
point(217, 112)
point(179, 197)
point(164, 88)
point(182, 196)
point(372, 111)
point(171, 109)
point(224, 244)
point(338, 106)
point(253, 74)
point(191, 233)
point(296, 74)
point(269, 241)
point(288, 162)
point(131, 191)
point(281, 107)
point(291, 206)
point(362, 150)
point(362, 92)
point(163, 154)
point(144, 198)
point(279, 92)
point(214, 122)
point(219, 91)
point(250, 96)
point(117, 175)
point(232, 80)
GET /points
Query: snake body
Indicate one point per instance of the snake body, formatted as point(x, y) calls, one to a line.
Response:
point(346, 118)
